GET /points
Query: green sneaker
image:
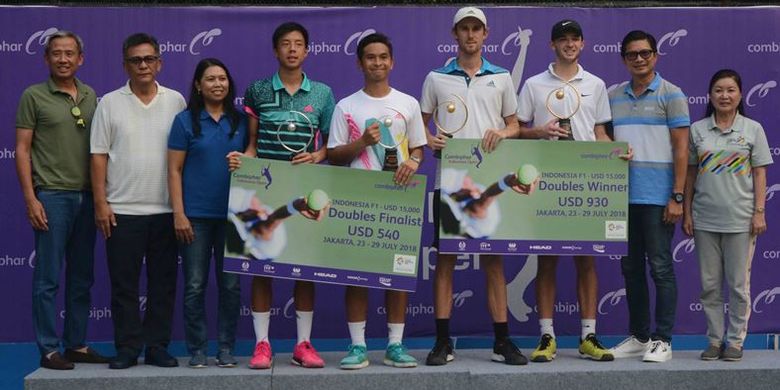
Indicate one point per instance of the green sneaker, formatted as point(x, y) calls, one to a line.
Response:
point(591, 348)
point(356, 359)
point(545, 351)
point(396, 356)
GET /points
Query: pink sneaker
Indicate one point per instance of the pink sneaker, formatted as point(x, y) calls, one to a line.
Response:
point(262, 357)
point(305, 355)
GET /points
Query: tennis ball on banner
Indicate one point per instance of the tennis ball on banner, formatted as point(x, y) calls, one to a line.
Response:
point(317, 199)
point(527, 174)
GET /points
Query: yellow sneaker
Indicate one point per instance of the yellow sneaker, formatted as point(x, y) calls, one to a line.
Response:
point(545, 351)
point(591, 348)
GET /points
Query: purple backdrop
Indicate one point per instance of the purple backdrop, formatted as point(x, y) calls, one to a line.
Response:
point(692, 44)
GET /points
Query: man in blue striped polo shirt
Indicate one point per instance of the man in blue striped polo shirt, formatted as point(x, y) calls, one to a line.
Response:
point(651, 114)
point(272, 103)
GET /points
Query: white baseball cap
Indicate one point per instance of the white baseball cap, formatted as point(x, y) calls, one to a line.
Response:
point(469, 12)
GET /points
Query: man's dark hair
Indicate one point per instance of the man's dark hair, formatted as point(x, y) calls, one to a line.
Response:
point(638, 35)
point(288, 27)
point(374, 38)
point(139, 39)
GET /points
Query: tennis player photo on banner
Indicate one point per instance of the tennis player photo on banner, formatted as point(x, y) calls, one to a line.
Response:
point(324, 223)
point(534, 197)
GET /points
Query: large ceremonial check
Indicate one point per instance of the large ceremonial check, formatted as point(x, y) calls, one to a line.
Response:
point(534, 197)
point(324, 224)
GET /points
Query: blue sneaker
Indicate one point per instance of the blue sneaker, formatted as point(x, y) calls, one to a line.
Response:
point(356, 359)
point(396, 356)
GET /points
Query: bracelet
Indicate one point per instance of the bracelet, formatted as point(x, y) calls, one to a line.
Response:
point(502, 184)
point(291, 206)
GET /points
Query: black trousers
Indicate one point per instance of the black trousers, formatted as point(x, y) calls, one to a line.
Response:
point(140, 240)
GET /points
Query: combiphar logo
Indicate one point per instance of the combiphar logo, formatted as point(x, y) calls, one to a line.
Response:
point(764, 298)
point(18, 261)
point(610, 299)
point(195, 45)
point(766, 47)
point(770, 192)
point(759, 91)
point(684, 247)
point(613, 48)
point(349, 47)
point(7, 154)
point(35, 42)
point(670, 39)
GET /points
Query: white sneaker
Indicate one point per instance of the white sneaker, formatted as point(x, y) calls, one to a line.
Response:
point(659, 351)
point(630, 347)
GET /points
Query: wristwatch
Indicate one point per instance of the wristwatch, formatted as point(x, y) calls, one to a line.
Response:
point(759, 210)
point(678, 197)
point(415, 159)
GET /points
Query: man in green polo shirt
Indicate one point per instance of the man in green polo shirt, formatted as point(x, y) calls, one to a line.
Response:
point(52, 162)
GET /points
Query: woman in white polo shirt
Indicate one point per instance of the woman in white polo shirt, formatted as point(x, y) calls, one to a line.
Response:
point(725, 194)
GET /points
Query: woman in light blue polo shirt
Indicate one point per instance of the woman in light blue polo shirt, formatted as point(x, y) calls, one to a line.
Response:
point(725, 196)
point(198, 179)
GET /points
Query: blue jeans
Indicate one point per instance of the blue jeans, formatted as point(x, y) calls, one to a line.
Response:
point(196, 256)
point(649, 241)
point(71, 237)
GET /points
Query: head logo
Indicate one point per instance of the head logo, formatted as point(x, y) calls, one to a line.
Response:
point(266, 172)
point(671, 39)
point(40, 37)
point(762, 89)
point(765, 297)
point(245, 266)
point(685, 246)
point(613, 297)
point(350, 46)
point(477, 154)
point(203, 39)
point(770, 192)
point(459, 298)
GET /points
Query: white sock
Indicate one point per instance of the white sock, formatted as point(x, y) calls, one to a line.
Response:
point(303, 321)
point(546, 325)
point(588, 327)
point(261, 322)
point(395, 333)
point(357, 332)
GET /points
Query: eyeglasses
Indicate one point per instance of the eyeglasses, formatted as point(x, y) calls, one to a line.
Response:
point(136, 61)
point(76, 112)
point(632, 55)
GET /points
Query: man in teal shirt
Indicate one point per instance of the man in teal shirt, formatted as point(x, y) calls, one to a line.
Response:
point(272, 104)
